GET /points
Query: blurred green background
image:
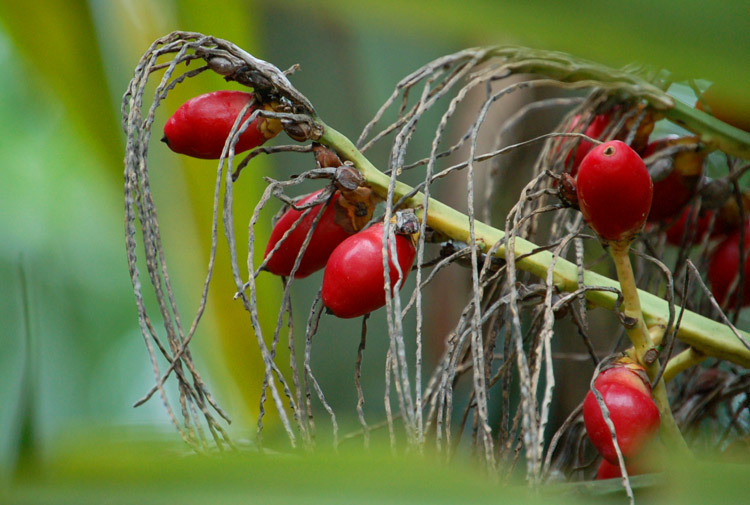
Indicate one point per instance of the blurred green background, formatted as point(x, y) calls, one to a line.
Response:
point(71, 354)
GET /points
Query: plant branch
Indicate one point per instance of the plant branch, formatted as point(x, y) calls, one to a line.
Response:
point(713, 132)
point(684, 360)
point(706, 336)
point(645, 351)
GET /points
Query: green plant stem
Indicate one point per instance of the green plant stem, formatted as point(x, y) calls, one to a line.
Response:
point(640, 336)
point(638, 332)
point(707, 336)
point(684, 360)
point(657, 332)
point(713, 132)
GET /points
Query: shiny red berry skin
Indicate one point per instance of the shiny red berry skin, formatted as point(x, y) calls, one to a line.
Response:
point(608, 470)
point(723, 268)
point(627, 373)
point(200, 127)
point(672, 193)
point(678, 229)
point(595, 131)
point(631, 409)
point(353, 278)
point(327, 235)
point(614, 191)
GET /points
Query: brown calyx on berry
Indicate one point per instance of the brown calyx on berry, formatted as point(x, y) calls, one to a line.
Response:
point(348, 178)
point(302, 131)
point(325, 157)
point(405, 222)
point(567, 191)
point(357, 204)
point(625, 362)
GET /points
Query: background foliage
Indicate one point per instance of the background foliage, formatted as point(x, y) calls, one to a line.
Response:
point(71, 354)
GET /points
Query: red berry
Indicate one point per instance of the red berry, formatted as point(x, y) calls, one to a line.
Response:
point(628, 373)
point(723, 268)
point(329, 232)
point(670, 197)
point(595, 131)
point(679, 228)
point(200, 127)
point(614, 191)
point(672, 193)
point(608, 470)
point(353, 278)
point(631, 409)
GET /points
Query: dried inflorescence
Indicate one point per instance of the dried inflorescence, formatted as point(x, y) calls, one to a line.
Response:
point(503, 342)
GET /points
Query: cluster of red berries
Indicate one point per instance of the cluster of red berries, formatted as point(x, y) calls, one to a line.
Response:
point(618, 195)
point(613, 187)
point(353, 281)
point(626, 392)
point(354, 276)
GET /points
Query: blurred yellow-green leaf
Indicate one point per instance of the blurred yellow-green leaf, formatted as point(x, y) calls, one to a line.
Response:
point(66, 65)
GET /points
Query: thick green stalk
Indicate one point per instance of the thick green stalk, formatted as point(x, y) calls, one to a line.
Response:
point(644, 346)
point(713, 132)
point(684, 360)
point(706, 336)
point(638, 331)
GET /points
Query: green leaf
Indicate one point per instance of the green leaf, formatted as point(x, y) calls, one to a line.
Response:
point(57, 39)
point(692, 38)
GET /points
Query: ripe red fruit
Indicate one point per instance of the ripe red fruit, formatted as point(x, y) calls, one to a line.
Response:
point(672, 193)
point(614, 191)
point(330, 231)
point(608, 470)
point(631, 409)
point(595, 131)
point(353, 278)
point(627, 373)
point(200, 127)
point(723, 268)
point(680, 227)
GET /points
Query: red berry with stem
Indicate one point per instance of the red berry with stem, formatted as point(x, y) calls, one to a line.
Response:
point(723, 269)
point(200, 127)
point(332, 228)
point(627, 372)
point(614, 191)
point(594, 130)
point(673, 192)
point(353, 281)
point(631, 409)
